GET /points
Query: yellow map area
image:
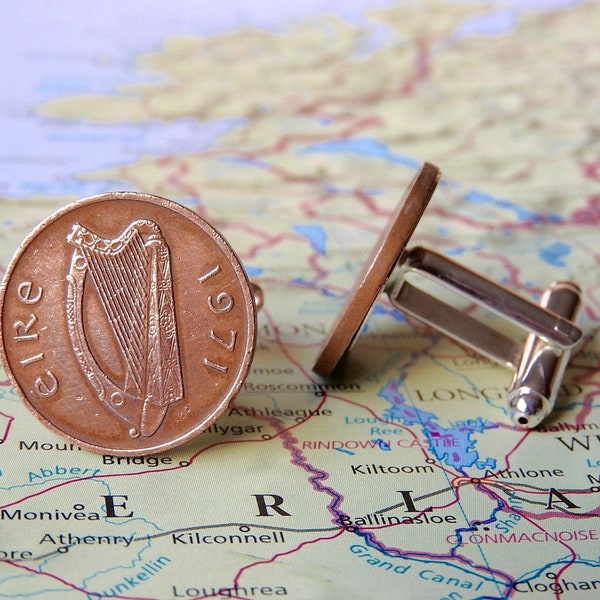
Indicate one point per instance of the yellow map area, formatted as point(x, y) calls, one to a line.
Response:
point(523, 104)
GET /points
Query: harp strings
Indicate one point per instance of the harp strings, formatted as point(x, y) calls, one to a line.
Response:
point(121, 279)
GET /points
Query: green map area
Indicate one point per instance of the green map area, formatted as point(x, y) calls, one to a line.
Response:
point(294, 131)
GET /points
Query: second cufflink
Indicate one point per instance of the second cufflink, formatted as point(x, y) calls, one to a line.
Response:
point(429, 287)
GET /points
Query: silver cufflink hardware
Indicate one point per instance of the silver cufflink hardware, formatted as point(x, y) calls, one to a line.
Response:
point(534, 340)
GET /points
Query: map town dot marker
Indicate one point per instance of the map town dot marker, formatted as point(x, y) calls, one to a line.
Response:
point(441, 293)
point(128, 323)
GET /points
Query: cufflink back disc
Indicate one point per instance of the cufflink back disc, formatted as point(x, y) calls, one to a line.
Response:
point(535, 340)
point(128, 323)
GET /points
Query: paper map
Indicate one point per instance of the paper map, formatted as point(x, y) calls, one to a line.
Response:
point(294, 131)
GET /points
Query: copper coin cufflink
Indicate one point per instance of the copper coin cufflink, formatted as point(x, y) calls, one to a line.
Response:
point(128, 323)
point(538, 356)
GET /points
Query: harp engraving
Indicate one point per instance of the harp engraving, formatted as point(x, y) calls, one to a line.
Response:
point(131, 278)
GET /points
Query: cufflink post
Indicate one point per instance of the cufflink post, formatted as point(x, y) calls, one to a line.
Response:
point(547, 332)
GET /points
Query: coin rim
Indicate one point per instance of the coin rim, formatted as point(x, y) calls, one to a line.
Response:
point(376, 270)
point(217, 238)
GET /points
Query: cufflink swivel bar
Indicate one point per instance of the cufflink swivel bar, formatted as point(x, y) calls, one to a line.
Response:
point(547, 332)
point(538, 360)
point(541, 366)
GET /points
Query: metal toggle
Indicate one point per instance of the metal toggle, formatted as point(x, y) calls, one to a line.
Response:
point(535, 340)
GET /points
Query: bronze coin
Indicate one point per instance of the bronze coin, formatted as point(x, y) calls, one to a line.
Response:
point(375, 272)
point(128, 323)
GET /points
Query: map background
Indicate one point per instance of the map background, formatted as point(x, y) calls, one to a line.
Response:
point(312, 128)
